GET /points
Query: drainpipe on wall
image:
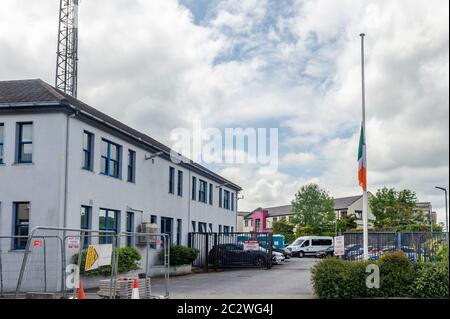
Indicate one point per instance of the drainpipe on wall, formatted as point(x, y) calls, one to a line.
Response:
point(189, 197)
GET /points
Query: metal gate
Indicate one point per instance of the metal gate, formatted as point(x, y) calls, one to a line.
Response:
point(232, 250)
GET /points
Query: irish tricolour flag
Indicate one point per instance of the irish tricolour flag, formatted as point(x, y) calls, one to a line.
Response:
point(362, 161)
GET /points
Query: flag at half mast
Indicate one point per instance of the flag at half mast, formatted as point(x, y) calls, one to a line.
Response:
point(362, 166)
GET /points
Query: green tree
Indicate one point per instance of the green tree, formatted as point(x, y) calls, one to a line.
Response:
point(283, 227)
point(396, 210)
point(347, 222)
point(313, 207)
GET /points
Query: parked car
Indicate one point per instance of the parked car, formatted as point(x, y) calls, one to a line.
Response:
point(235, 255)
point(277, 257)
point(329, 252)
point(286, 252)
point(310, 245)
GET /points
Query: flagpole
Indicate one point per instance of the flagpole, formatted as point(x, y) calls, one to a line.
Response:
point(365, 199)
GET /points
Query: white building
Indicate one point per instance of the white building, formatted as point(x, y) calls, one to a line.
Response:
point(61, 159)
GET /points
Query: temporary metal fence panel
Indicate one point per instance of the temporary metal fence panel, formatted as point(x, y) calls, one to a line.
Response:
point(232, 250)
point(418, 246)
point(43, 273)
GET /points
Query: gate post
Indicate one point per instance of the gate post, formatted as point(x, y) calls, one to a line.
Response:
point(206, 251)
point(215, 252)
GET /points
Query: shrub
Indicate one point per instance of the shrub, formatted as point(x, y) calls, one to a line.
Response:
point(180, 255)
point(336, 278)
point(128, 259)
point(396, 274)
point(431, 281)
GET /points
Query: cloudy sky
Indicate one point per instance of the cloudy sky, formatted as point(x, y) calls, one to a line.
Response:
point(290, 64)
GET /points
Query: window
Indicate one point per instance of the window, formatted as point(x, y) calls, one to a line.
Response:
point(166, 228)
point(226, 229)
point(246, 223)
point(202, 191)
point(180, 183)
point(130, 228)
point(226, 199)
point(179, 224)
point(358, 214)
point(202, 227)
point(321, 242)
point(21, 223)
point(220, 228)
point(232, 229)
point(131, 166)
point(153, 220)
point(220, 197)
point(232, 201)
point(110, 160)
point(210, 228)
point(257, 225)
point(194, 187)
point(108, 221)
point(24, 143)
point(88, 150)
point(275, 219)
point(85, 223)
point(305, 243)
point(2, 139)
point(211, 193)
point(193, 226)
point(171, 180)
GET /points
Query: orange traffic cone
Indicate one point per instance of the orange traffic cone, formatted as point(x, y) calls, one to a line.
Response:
point(80, 294)
point(135, 291)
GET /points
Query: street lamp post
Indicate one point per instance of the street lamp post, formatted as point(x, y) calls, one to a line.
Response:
point(446, 207)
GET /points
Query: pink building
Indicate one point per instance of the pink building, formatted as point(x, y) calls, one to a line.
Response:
point(259, 221)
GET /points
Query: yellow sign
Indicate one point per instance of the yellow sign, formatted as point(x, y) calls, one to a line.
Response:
point(91, 258)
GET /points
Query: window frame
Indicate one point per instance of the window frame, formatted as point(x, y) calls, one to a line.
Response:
point(211, 194)
point(202, 190)
point(108, 239)
point(171, 180)
point(88, 212)
point(202, 227)
point(17, 243)
point(20, 143)
point(194, 188)
point(131, 166)
point(179, 231)
point(180, 177)
point(232, 202)
point(109, 159)
point(129, 226)
point(164, 220)
point(226, 199)
point(220, 197)
point(2, 143)
point(89, 151)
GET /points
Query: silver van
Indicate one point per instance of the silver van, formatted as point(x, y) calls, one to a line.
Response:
point(310, 245)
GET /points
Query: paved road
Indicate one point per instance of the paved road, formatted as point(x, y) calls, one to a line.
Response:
point(288, 280)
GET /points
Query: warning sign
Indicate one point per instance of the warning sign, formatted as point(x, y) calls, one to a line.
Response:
point(251, 245)
point(37, 243)
point(97, 256)
point(73, 242)
point(339, 247)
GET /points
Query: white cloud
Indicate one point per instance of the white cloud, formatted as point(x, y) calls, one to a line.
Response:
point(255, 63)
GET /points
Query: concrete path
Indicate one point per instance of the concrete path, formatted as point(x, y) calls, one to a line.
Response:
point(291, 280)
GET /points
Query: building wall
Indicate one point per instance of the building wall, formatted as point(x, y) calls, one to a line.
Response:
point(42, 183)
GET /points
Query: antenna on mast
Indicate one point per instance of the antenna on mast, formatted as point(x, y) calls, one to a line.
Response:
point(67, 51)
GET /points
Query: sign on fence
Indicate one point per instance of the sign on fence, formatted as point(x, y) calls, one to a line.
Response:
point(97, 256)
point(339, 246)
point(73, 242)
point(251, 245)
point(37, 243)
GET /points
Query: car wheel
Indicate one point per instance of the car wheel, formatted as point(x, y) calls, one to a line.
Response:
point(260, 262)
point(301, 254)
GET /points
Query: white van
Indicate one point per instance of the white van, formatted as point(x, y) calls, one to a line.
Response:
point(310, 245)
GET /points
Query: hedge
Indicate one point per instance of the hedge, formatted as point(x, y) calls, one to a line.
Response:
point(180, 255)
point(128, 259)
point(334, 278)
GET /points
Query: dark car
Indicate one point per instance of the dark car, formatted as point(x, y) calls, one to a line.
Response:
point(329, 252)
point(229, 255)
